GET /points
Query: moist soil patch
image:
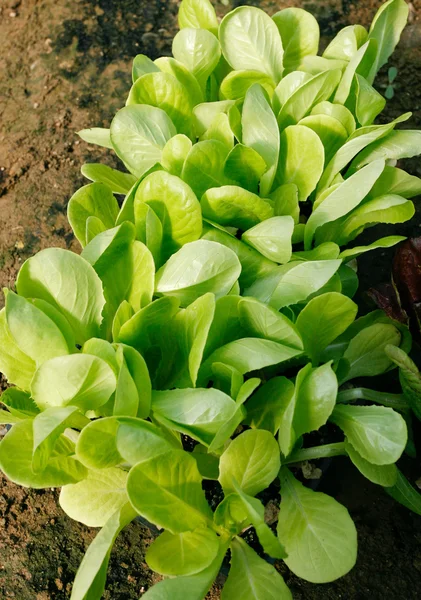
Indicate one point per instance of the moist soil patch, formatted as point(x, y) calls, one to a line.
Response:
point(65, 66)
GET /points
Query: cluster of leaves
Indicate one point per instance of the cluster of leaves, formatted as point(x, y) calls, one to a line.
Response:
point(402, 300)
point(191, 313)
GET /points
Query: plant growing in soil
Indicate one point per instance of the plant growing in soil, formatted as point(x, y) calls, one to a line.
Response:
point(175, 369)
point(391, 76)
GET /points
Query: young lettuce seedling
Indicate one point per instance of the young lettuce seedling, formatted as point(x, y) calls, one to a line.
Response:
point(215, 306)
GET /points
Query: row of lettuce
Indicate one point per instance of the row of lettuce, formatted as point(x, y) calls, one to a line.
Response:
point(215, 302)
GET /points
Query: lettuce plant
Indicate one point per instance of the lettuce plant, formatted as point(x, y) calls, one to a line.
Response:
point(208, 325)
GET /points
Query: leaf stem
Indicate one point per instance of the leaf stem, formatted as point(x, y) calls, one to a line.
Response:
point(396, 401)
point(326, 451)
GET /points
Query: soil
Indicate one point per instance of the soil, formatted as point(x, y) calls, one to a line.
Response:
point(65, 65)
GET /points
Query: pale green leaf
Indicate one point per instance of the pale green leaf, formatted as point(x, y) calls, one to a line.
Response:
point(251, 460)
point(368, 102)
point(78, 379)
point(47, 428)
point(141, 65)
point(255, 512)
point(123, 314)
point(404, 493)
point(90, 579)
point(97, 498)
point(6, 418)
point(138, 440)
point(337, 111)
point(409, 377)
point(199, 413)
point(286, 87)
point(385, 209)
point(262, 321)
point(253, 264)
point(204, 166)
point(299, 33)
point(301, 159)
point(235, 85)
point(320, 87)
point(234, 206)
point(229, 427)
point(19, 403)
point(249, 354)
point(143, 330)
point(315, 397)
point(323, 319)
point(332, 133)
point(167, 491)
point(183, 553)
point(360, 63)
point(205, 113)
point(377, 433)
point(326, 251)
point(133, 391)
point(285, 199)
point(175, 153)
point(111, 255)
point(102, 349)
point(142, 279)
point(139, 133)
point(293, 283)
point(96, 445)
point(385, 475)
point(343, 199)
point(266, 407)
point(361, 138)
point(386, 28)
point(93, 200)
point(16, 461)
point(386, 242)
point(245, 165)
point(199, 14)
point(396, 181)
point(70, 284)
point(250, 40)
point(252, 577)
point(96, 135)
point(262, 134)
point(395, 146)
point(193, 586)
point(198, 50)
point(318, 533)
point(183, 344)
point(185, 78)
point(198, 268)
point(93, 227)
point(226, 326)
point(176, 206)
point(163, 91)
point(117, 181)
point(220, 130)
point(313, 65)
point(36, 335)
point(346, 42)
point(366, 351)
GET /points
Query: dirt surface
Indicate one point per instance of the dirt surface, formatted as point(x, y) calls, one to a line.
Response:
point(64, 66)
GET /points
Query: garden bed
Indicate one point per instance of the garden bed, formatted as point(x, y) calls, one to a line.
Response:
point(66, 65)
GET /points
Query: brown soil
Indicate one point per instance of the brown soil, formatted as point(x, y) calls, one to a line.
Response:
point(65, 65)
